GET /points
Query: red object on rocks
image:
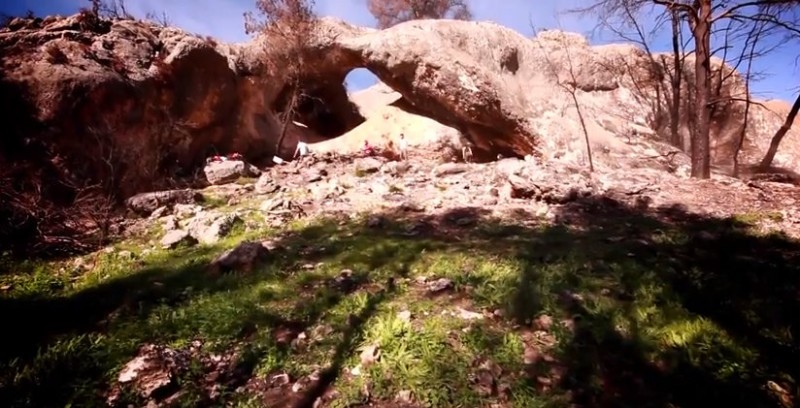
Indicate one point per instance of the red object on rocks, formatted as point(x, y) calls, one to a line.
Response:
point(218, 158)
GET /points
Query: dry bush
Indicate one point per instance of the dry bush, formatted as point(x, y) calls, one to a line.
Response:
point(113, 9)
point(55, 55)
point(211, 41)
point(46, 209)
point(86, 50)
point(89, 21)
point(286, 26)
point(393, 12)
point(160, 19)
point(59, 196)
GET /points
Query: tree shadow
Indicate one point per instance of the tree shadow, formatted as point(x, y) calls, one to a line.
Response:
point(39, 322)
point(716, 270)
point(344, 349)
point(664, 303)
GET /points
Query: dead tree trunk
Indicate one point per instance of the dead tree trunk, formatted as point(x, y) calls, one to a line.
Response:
point(701, 146)
point(766, 162)
point(677, 75)
point(288, 114)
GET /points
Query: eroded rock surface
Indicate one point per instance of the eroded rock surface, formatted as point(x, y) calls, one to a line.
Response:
point(132, 107)
point(146, 203)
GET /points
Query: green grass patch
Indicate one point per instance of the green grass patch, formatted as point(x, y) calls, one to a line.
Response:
point(642, 313)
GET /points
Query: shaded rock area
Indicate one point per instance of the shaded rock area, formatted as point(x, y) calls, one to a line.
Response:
point(155, 373)
point(242, 258)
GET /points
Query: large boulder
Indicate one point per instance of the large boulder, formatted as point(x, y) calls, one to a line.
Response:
point(229, 171)
point(146, 203)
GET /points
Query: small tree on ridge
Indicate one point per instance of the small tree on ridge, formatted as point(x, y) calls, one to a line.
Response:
point(287, 25)
point(393, 12)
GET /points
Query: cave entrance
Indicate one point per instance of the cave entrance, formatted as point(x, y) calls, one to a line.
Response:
point(323, 108)
point(354, 106)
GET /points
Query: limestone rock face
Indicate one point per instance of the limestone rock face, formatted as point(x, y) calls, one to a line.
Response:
point(124, 100)
point(138, 104)
point(510, 95)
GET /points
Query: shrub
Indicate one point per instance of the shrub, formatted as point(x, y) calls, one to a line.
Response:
point(55, 55)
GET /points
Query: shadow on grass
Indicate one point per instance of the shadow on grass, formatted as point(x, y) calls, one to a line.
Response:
point(668, 307)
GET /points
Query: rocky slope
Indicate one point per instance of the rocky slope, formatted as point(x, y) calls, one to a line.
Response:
point(522, 191)
point(124, 106)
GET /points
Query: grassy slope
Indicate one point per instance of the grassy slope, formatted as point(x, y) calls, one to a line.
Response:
point(661, 313)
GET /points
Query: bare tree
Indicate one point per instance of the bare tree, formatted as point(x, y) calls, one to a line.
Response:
point(626, 16)
point(570, 85)
point(676, 76)
point(110, 9)
point(286, 26)
point(160, 19)
point(702, 16)
point(750, 51)
point(393, 12)
point(766, 162)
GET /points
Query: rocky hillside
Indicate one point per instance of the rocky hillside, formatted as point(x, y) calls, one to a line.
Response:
point(359, 281)
point(120, 107)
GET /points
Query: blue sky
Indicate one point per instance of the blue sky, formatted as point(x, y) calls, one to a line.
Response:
point(223, 19)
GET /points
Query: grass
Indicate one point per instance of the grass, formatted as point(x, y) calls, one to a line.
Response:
point(644, 313)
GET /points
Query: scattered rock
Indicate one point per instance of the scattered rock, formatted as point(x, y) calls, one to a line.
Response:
point(242, 258)
point(345, 282)
point(368, 165)
point(150, 371)
point(531, 356)
point(186, 210)
point(175, 238)
point(282, 206)
point(305, 382)
point(155, 372)
point(376, 221)
point(543, 322)
point(279, 380)
point(410, 206)
point(170, 223)
point(468, 315)
point(485, 376)
point(404, 396)
point(146, 203)
point(440, 285)
point(370, 354)
point(397, 168)
point(447, 169)
point(404, 315)
point(228, 171)
point(266, 185)
point(159, 212)
point(209, 228)
point(125, 254)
